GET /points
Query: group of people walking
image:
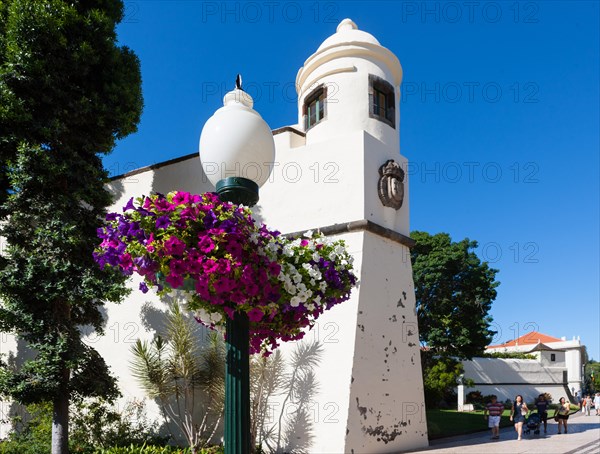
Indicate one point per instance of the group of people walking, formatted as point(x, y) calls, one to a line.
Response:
point(586, 403)
point(519, 411)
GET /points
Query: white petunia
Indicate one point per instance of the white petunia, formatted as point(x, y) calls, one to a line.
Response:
point(290, 288)
point(309, 234)
point(295, 301)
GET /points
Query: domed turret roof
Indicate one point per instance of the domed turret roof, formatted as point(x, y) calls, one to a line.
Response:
point(345, 51)
point(347, 32)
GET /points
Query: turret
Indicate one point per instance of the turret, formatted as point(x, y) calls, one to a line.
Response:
point(350, 83)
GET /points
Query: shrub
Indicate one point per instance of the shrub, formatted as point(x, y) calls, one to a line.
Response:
point(474, 397)
point(487, 399)
point(31, 433)
point(95, 425)
point(144, 449)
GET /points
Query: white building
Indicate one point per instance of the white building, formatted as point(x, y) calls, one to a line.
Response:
point(557, 368)
point(337, 170)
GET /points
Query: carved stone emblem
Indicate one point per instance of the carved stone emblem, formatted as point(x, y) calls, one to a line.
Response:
point(391, 184)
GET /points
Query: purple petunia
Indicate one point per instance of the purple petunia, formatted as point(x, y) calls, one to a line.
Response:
point(162, 222)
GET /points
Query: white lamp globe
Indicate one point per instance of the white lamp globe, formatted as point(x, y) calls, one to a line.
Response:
point(237, 142)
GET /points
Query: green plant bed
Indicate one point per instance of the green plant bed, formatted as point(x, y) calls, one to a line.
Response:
point(446, 423)
point(142, 449)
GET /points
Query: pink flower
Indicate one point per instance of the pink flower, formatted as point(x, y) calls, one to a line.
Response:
point(125, 261)
point(189, 213)
point(237, 297)
point(274, 269)
point(223, 267)
point(234, 248)
point(148, 203)
point(202, 287)
point(174, 246)
point(174, 280)
point(162, 204)
point(210, 266)
point(252, 289)
point(181, 198)
point(247, 275)
point(194, 265)
point(206, 244)
point(224, 285)
point(178, 267)
point(255, 314)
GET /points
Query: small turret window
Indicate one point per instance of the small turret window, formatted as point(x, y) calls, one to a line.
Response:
point(382, 100)
point(315, 107)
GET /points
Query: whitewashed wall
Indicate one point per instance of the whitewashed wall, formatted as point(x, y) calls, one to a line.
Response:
point(508, 377)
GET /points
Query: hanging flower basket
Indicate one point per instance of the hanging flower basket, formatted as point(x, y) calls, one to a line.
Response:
point(222, 261)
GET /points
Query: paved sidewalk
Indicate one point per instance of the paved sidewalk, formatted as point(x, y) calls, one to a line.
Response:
point(583, 438)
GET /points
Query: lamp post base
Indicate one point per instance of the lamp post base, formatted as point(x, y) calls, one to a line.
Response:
point(237, 386)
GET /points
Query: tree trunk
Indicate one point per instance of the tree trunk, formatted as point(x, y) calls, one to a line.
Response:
point(60, 421)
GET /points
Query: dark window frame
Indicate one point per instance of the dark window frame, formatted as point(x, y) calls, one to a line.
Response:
point(318, 97)
point(381, 90)
point(552, 357)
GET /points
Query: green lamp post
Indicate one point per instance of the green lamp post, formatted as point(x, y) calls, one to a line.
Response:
point(237, 152)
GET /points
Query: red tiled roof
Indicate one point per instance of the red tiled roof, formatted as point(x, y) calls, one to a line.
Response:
point(532, 337)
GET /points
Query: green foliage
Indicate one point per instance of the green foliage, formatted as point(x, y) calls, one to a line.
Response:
point(94, 425)
point(31, 433)
point(97, 424)
point(187, 381)
point(508, 355)
point(591, 377)
point(440, 377)
point(142, 449)
point(474, 397)
point(67, 93)
point(454, 294)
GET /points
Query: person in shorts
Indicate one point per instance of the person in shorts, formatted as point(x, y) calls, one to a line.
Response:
point(495, 410)
point(542, 408)
point(518, 413)
point(561, 415)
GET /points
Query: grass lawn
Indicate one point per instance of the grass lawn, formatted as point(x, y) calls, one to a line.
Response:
point(445, 423)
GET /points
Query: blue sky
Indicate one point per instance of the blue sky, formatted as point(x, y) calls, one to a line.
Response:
point(499, 119)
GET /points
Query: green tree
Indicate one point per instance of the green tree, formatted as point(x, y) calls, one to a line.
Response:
point(440, 379)
point(591, 377)
point(67, 93)
point(454, 292)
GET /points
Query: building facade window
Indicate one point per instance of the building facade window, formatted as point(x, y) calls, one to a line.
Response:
point(315, 107)
point(552, 357)
point(382, 100)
